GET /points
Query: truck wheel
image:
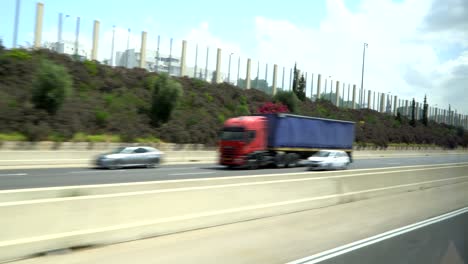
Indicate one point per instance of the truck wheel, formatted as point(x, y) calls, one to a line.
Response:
point(252, 164)
point(291, 160)
point(280, 161)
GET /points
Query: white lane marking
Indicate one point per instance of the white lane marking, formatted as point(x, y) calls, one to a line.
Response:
point(90, 172)
point(14, 174)
point(183, 168)
point(4, 160)
point(190, 173)
point(328, 254)
point(159, 169)
point(197, 215)
point(441, 165)
point(208, 187)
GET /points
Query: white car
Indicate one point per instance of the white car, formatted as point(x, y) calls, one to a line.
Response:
point(329, 159)
point(130, 157)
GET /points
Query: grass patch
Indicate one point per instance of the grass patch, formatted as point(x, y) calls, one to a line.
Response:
point(82, 137)
point(12, 137)
point(149, 139)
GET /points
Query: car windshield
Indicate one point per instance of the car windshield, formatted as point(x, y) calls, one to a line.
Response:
point(122, 150)
point(322, 154)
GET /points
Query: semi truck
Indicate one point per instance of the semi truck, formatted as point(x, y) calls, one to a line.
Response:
point(281, 140)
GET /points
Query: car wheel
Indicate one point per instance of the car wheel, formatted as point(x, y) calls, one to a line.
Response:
point(117, 164)
point(346, 165)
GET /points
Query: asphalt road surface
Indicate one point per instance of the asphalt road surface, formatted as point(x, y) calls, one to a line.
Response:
point(36, 178)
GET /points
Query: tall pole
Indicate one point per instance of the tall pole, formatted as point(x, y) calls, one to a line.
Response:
point(258, 74)
point(38, 25)
point(238, 71)
point(94, 50)
point(157, 53)
point(196, 62)
point(170, 58)
point(112, 46)
point(229, 69)
point(282, 81)
point(128, 48)
point(362, 74)
point(77, 35)
point(59, 31)
point(15, 29)
point(206, 65)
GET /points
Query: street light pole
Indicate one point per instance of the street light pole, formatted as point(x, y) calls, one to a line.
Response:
point(362, 74)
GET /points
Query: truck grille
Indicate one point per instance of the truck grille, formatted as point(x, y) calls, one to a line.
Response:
point(228, 152)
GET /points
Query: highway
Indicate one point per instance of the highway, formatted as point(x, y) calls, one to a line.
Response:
point(36, 178)
point(288, 237)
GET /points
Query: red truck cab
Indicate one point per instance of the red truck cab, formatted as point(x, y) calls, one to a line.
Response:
point(241, 137)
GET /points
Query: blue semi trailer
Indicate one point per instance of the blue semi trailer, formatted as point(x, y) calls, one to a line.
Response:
point(281, 139)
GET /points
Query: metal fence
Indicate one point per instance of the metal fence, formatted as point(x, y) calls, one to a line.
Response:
point(119, 46)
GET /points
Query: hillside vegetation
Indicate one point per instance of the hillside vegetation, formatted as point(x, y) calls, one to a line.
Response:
point(49, 96)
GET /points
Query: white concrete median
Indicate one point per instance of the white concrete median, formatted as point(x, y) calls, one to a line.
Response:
point(34, 226)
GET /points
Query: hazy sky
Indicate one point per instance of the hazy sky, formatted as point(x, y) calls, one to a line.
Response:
point(416, 47)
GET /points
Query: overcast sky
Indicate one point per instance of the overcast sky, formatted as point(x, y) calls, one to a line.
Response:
point(416, 47)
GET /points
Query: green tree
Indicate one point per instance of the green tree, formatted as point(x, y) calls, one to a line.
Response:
point(289, 99)
point(166, 95)
point(425, 111)
point(51, 86)
point(299, 84)
point(413, 113)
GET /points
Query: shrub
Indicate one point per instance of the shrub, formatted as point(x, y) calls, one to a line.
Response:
point(51, 86)
point(166, 95)
point(221, 118)
point(102, 117)
point(150, 81)
point(198, 83)
point(56, 137)
point(82, 137)
point(208, 97)
point(242, 110)
point(148, 139)
point(91, 67)
point(289, 99)
point(18, 54)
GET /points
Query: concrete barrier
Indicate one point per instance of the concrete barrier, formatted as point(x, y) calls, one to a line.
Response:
point(48, 224)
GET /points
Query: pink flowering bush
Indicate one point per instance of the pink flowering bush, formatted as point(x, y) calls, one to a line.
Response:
point(271, 108)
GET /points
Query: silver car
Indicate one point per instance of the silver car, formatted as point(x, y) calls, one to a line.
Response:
point(329, 159)
point(130, 157)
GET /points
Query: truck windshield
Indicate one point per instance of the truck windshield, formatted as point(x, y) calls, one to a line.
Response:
point(232, 133)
